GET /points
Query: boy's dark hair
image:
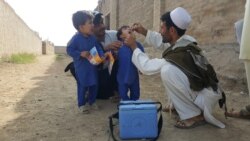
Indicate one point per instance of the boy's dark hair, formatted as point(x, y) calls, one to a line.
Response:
point(168, 21)
point(80, 18)
point(97, 18)
point(119, 32)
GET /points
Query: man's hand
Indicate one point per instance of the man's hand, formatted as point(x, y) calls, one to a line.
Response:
point(131, 42)
point(139, 29)
point(114, 45)
point(85, 54)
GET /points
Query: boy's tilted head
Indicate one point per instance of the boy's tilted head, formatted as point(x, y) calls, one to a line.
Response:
point(123, 32)
point(82, 21)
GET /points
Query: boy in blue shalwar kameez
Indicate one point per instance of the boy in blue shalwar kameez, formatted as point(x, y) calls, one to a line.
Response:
point(127, 76)
point(78, 48)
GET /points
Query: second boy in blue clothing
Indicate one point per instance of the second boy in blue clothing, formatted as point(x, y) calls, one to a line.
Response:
point(78, 48)
point(127, 76)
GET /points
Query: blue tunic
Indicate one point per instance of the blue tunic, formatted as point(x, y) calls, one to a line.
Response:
point(127, 75)
point(86, 73)
point(127, 71)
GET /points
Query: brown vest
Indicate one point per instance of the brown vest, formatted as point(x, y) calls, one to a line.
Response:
point(192, 63)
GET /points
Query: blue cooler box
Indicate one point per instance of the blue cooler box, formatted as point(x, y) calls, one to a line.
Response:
point(138, 121)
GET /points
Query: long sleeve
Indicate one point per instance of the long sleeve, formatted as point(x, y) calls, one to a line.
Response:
point(145, 65)
point(72, 50)
point(155, 39)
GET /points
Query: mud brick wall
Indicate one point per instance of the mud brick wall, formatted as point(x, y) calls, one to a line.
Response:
point(15, 35)
point(213, 20)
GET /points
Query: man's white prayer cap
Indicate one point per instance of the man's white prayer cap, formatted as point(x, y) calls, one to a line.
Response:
point(181, 18)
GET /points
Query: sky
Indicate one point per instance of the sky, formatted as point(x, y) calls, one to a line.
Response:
point(51, 18)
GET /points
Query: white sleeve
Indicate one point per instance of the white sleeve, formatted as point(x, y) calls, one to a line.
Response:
point(155, 39)
point(112, 35)
point(145, 65)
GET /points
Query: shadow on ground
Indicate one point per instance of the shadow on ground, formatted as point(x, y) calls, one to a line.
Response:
point(48, 112)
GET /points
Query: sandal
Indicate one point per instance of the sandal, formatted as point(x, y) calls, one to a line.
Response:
point(183, 125)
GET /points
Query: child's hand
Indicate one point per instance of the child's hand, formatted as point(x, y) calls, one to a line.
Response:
point(85, 54)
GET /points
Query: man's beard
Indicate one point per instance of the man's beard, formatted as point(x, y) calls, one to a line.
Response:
point(164, 39)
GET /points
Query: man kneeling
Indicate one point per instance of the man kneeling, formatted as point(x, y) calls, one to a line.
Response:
point(192, 93)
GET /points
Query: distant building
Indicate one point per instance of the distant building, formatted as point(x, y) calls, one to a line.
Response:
point(60, 50)
point(48, 47)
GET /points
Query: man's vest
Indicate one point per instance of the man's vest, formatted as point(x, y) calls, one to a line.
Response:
point(190, 60)
point(188, 57)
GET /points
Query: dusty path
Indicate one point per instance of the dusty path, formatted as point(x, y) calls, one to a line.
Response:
point(38, 103)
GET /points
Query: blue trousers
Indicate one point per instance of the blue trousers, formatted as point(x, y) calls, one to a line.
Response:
point(133, 88)
point(81, 94)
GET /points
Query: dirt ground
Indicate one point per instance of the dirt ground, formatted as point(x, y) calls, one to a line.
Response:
point(38, 103)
